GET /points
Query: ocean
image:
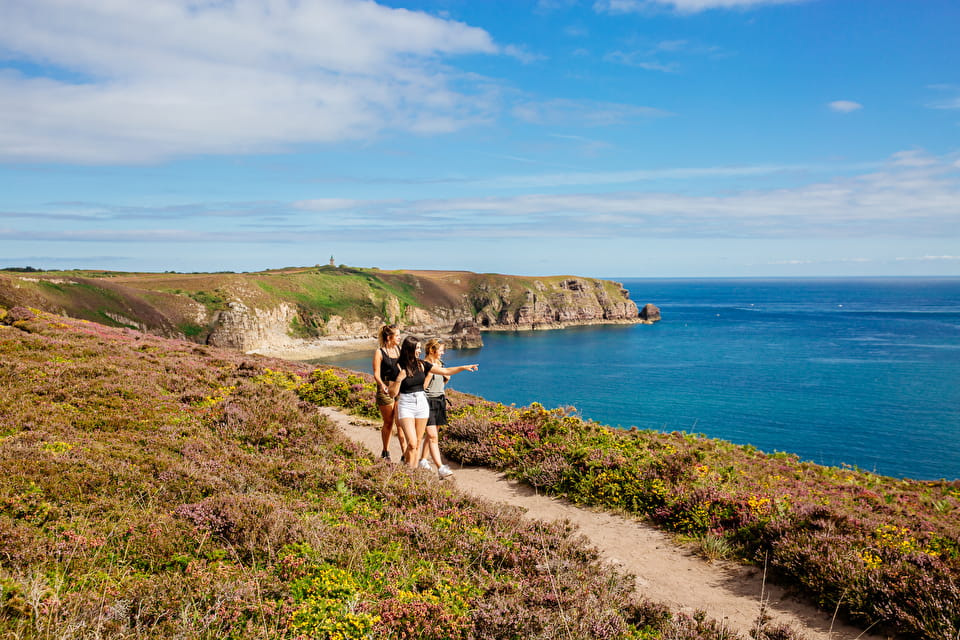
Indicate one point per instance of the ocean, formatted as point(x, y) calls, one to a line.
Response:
point(861, 372)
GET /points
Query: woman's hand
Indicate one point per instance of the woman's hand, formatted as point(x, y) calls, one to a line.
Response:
point(394, 388)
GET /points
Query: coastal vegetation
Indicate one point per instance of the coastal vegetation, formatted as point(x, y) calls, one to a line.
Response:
point(884, 551)
point(881, 551)
point(156, 488)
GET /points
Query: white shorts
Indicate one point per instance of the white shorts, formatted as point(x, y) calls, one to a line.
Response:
point(413, 405)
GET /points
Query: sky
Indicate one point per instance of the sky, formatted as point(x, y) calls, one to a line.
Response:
point(606, 138)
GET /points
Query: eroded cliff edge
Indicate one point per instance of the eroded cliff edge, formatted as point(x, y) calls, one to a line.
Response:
point(305, 309)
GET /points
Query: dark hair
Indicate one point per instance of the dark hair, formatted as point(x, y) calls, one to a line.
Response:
point(408, 356)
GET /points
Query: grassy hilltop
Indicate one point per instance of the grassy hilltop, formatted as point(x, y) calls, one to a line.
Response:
point(317, 301)
point(155, 488)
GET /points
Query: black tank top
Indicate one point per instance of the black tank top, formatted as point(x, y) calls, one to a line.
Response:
point(389, 369)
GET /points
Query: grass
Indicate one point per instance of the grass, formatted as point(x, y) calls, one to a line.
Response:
point(347, 292)
point(154, 488)
point(211, 300)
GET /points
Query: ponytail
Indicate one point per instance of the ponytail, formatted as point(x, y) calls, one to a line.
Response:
point(386, 331)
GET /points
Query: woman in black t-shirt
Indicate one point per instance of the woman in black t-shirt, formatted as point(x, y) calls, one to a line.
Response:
point(412, 407)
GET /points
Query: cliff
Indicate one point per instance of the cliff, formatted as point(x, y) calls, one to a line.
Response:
point(291, 308)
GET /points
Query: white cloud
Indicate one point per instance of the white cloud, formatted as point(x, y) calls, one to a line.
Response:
point(651, 55)
point(594, 178)
point(845, 106)
point(682, 6)
point(929, 259)
point(918, 200)
point(795, 262)
point(327, 204)
point(523, 54)
point(953, 103)
point(949, 102)
point(137, 82)
point(913, 158)
point(915, 199)
point(642, 61)
point(582, 112)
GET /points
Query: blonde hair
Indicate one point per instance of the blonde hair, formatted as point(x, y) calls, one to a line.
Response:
point(433, 345)
point(386, 331)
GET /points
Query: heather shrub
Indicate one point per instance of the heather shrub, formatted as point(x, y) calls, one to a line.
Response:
point(174, 490)
point(252, 525)
point(882, 551)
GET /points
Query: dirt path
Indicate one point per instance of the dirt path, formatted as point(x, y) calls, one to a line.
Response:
point(665, 571)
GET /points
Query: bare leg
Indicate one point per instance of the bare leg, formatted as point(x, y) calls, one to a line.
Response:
point(401, 436)
point(421, 424)
point(409, 429)
point(388, 412)
point(431, 445)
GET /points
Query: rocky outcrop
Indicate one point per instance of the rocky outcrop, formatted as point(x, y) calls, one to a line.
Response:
point(650, 313)
point(544, 305)
point(246, 329)
point(465, 335)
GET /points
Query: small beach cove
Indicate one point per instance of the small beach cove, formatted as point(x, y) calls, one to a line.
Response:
point(664, 571)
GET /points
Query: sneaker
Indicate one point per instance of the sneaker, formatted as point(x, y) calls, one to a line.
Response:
point(425, 465)
point(444, 472)
point(385, 454)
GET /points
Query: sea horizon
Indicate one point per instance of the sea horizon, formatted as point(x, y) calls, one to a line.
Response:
point(860, 371)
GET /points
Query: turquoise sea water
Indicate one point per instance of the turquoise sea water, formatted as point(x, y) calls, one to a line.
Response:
point(862, 372)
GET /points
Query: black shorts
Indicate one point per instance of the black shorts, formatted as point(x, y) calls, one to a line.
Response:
point(438, 410)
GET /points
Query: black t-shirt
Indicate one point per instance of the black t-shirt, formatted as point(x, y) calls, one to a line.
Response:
point(414, 383)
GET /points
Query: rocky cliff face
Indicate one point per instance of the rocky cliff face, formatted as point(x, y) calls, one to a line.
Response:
point(571, 301)
point(489, 303)
point(273, 311)
point(246, 329)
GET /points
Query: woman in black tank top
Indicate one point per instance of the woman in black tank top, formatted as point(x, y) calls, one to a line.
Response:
point(385, 371)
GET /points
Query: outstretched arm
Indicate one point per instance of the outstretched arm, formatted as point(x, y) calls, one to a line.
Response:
point(449, 371)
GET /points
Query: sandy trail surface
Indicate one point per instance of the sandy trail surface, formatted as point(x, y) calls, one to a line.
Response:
point(318, 348)
point(665, 571)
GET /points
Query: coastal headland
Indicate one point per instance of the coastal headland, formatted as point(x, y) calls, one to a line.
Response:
point(312, 312)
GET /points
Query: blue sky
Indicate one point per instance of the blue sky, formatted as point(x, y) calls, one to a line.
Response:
point(610, 138)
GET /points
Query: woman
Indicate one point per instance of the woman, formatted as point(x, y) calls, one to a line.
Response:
point(437, 402)
point(412, 408)
point(385, 370)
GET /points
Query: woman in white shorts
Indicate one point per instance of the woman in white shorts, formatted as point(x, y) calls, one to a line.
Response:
point(412, 407)
point(437, 399)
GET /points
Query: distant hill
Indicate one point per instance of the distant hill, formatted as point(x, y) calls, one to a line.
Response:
point(280, 308)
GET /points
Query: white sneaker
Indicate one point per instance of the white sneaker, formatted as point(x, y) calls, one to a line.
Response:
point(444, 472)
point(425, 465)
